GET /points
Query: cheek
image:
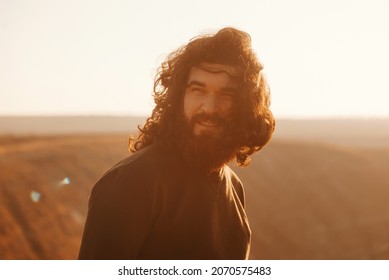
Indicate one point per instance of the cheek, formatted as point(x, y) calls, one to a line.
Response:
point(189, 105)
point(185, 106)
point(226, 108)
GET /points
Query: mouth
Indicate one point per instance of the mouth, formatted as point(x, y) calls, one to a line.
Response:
point(208, 123)
point(208, 127)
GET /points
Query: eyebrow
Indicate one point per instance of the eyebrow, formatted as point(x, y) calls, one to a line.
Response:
point(196, 83)
point(200, 84)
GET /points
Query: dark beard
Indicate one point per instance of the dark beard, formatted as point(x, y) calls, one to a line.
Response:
point(205, 152)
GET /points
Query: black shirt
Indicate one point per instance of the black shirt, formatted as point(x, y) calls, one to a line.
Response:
point(152, 205)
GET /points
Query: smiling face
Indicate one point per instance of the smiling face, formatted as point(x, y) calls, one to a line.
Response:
point(209, 98)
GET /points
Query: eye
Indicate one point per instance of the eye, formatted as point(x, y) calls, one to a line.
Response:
point(228, 94)
point(197, 90)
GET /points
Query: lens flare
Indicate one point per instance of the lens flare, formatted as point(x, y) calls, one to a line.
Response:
point(35, 196)
point(65, 181)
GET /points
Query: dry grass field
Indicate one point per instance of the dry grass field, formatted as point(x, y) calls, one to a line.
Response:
point(305, 199)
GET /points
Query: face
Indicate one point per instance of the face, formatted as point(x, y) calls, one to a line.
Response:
point(209, 98)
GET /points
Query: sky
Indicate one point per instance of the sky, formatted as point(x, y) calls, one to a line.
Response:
point(321, 58)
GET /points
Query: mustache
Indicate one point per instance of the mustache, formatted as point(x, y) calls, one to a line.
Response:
point(203, 117)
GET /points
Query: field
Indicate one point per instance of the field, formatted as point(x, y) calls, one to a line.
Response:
point(307, 197)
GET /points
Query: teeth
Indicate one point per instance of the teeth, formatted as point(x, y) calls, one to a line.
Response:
point(209, 123)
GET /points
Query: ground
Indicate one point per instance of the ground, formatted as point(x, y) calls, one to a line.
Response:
point(305, 199)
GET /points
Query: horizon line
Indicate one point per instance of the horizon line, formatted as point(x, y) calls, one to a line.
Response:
point(136, 115)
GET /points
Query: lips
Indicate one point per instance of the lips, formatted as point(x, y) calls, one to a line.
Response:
point(209, 123)
point(208, 119)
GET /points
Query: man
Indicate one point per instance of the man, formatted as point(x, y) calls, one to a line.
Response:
point(175, 197)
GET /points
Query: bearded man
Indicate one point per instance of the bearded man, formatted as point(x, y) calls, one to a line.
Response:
point(175, 197)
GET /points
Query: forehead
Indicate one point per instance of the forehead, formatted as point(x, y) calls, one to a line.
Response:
point(218, 68)
point(213, 73)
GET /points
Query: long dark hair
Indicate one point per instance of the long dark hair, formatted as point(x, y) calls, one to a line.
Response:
point(254, 122)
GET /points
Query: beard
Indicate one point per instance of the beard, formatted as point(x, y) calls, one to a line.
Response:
point(207, 151)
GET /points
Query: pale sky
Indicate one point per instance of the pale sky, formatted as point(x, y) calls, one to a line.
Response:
point(322, 58)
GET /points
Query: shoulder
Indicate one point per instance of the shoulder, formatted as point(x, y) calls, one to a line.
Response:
point(149, 160)
point(124, 178)
point(140, 164)
point(236, 183)
point(140, 171)
point(147, 157)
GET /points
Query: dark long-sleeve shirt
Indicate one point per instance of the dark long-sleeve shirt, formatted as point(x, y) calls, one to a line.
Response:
point(152, 205)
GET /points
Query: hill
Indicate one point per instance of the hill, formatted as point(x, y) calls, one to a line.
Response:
point(44, 125)
point(318, 201)
point(305, 199)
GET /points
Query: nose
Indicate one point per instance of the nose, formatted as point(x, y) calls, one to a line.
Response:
point(210, 103)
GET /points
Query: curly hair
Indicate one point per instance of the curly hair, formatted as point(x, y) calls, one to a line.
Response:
point(254, 122)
